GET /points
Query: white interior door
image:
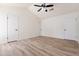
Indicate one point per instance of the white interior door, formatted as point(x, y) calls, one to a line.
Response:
point(12, 27)
point(70, 28)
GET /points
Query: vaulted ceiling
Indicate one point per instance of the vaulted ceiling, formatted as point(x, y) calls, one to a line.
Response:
point(59, 9)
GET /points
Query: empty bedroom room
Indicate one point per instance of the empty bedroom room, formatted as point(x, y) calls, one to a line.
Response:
point(39, 29)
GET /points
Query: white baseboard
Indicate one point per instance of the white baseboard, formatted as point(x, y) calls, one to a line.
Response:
point(53, 36)
point(61, 38)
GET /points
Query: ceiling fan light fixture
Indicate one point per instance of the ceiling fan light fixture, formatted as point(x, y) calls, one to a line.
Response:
point(46, 10)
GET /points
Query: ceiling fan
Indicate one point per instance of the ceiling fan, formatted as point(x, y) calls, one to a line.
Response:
point(45, 6)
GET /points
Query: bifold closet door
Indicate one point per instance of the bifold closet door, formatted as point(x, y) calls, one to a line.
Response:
point(12, 24)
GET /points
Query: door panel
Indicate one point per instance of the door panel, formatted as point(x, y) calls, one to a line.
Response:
point(12, 27)
point(70, 28)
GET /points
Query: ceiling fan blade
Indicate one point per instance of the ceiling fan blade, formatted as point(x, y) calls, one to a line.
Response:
point(51, 9)
point(39, 9)
point(49, 5)
point(37, 5)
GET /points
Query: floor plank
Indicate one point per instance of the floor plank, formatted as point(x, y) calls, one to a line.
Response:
point(40, 46)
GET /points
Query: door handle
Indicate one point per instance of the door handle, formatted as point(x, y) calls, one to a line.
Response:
point(65, 30)
point(16, 29)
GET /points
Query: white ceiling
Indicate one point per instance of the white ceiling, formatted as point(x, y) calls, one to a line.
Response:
point(59, 9)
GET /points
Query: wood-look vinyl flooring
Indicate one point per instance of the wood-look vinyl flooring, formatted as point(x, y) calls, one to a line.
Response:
point(40, 46)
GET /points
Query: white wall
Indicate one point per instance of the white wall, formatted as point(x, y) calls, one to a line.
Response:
point(54, 26)
point(78, 27)
point(3, 27)
point(29, 25)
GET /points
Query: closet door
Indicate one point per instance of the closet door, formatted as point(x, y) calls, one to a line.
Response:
point(3, 28)
point(12, 27)
point(70, 28)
